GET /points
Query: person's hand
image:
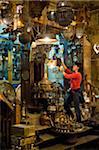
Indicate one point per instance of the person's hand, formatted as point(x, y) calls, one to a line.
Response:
point(62, 60)
point(61, 68)
point(64, 73)
point(65, 67)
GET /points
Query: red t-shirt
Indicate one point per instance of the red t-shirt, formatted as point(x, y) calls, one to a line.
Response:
point(75, 79)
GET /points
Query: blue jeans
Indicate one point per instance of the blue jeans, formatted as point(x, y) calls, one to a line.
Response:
point(75, 96)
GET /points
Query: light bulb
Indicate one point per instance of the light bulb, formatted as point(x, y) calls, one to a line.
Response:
point(52, 13)
point(47, 39)
point(62, 4)
point(34, 45)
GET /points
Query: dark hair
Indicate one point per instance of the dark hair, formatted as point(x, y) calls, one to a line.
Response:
point(78, 64)
point(58, 62)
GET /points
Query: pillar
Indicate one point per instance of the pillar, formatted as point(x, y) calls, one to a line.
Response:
point(95, 72)
point(10, 66)
point(87, 58)
point(18, 112)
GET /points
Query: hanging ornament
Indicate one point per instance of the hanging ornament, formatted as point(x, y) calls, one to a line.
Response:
point(51, 15)
point(25, 38)
point(96, 48)
point(8, 19)
point(33, 45)
point(64, 13)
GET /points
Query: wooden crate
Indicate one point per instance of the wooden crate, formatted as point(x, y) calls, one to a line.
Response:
point(22, 130)
point(33, 119)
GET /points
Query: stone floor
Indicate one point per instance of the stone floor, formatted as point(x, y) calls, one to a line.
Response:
point(81, 144)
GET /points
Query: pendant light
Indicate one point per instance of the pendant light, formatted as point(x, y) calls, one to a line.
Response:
point(46, 38)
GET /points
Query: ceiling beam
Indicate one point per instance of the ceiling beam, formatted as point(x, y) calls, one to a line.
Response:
point(48, 22)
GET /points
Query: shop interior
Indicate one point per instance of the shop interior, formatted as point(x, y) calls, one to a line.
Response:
point(36, 38)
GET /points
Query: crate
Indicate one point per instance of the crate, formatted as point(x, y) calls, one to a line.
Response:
point(21, 130)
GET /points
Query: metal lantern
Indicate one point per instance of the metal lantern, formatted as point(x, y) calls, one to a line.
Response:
point(46, 38)
point(64, 13)
point(8, 91)
point(25, 38)
point(45, 84)
point(5, 8)
point(51, 15)
point(8, 19)
point(12, 37)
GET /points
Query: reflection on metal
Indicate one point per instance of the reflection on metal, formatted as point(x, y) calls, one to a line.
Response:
point(96, 48)
point(5, 100)
point(45, 119)
point(4, 4)
point(10, 66)
point(18, 104)
point(64, 13)
point(45, 84)
point(8, 91)
point(47, 89)
point(8, 20)
point(18, 92)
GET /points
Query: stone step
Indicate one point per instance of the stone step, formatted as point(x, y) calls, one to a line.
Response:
point(46, 137)
point(39, 129)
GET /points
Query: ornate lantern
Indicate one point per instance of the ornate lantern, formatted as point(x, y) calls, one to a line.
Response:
point(64, 13)
point(51, 15)
point(46, 38)
point(24, 38)
point(8, 91)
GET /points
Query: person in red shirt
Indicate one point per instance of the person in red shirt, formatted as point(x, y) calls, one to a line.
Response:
point(74, 93)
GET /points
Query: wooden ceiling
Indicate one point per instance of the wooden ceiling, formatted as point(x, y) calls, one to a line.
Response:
point(77, 4)
point(38, 9)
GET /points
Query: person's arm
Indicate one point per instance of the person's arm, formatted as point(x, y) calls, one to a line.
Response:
point(66, 69)
point(64, 66)
point(70, 76)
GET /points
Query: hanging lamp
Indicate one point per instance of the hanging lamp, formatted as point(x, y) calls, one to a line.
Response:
point(46, 38)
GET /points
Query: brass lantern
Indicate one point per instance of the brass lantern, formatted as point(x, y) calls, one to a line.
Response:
point(64, 13)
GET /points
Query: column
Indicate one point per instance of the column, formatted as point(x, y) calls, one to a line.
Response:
point(87, 58)
point(10, 66)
